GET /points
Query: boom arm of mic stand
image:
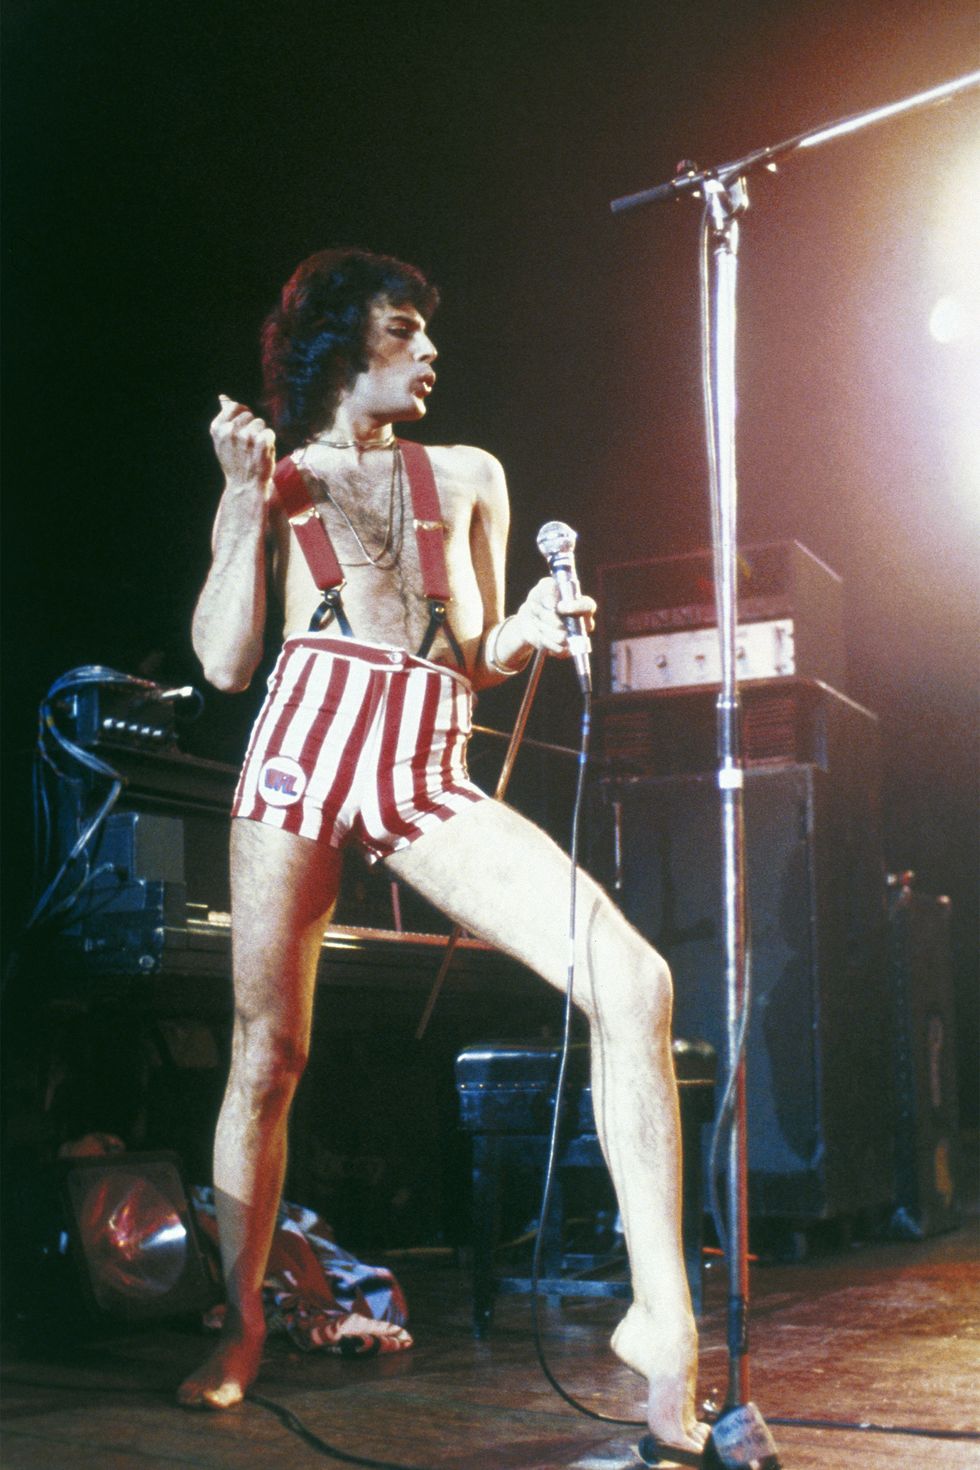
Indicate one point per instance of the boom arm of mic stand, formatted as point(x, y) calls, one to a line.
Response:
point(503, 780)
point(690, 180)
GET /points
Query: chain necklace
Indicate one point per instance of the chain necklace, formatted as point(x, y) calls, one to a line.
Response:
point(362, 444)
point(388, 547)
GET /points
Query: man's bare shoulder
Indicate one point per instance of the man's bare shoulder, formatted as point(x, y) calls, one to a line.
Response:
point(463, 471)
point(466, 462)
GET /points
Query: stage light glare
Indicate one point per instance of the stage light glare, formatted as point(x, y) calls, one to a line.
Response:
point(967, 444)
point(950, 320)
point(954, 321)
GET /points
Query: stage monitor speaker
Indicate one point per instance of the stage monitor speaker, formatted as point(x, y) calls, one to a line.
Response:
point(820, 1137)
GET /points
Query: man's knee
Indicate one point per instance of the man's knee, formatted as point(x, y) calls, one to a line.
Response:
point(661, 988)
point(269, 1058)
point(649, 990)
point(633, 987)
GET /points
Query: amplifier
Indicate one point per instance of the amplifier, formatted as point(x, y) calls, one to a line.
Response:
point(660, 627)
point(169, 825)
point(677, 660)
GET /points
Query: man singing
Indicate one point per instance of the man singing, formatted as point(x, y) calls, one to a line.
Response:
point(388, 561)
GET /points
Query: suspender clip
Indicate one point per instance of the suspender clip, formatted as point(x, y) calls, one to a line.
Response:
point(332, 606)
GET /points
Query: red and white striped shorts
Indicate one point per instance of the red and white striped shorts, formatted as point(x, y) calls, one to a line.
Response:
point(358, 741)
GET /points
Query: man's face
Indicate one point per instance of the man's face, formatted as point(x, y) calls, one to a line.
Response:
point(399, 377)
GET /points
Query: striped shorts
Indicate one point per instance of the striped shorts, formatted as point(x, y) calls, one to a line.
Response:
point(357, 741)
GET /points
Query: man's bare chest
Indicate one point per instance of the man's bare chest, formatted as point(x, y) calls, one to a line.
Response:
point(364, 511)
point(371, 519)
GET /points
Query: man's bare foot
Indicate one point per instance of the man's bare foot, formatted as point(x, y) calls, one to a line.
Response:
point(224, 1377)
point(665, 1354)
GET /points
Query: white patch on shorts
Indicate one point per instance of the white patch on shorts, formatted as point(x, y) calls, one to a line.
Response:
point(282, 781)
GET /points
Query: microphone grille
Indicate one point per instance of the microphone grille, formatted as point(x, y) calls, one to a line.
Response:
point(556, 539)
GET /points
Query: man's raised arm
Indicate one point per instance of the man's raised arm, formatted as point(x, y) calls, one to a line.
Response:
point(229, 620)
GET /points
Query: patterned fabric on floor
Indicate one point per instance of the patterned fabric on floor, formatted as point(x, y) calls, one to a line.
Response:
point(317, 1293)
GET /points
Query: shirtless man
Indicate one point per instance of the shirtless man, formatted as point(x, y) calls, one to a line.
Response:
point(346, 356)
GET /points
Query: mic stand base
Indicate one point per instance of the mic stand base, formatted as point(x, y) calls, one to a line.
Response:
point(739, 1440)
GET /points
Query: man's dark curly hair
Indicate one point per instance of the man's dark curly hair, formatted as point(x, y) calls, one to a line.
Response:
point(314, 342)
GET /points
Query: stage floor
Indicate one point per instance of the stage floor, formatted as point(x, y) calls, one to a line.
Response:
point(886, 1332)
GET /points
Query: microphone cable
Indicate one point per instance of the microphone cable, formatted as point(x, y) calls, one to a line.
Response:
point(51, 741)
point(59, 759)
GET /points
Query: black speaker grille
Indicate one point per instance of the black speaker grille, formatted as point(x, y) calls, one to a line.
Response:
point(770, 729)
point(785, 721)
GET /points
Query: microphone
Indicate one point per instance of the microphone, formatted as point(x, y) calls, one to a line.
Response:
point(556, 543)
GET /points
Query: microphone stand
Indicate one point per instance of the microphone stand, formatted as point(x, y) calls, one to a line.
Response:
point(740, 1438)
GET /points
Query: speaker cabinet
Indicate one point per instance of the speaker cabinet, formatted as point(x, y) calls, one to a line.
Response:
point(818, 1064)
point(926, 1140)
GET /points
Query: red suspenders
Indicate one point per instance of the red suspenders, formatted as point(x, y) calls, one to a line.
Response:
point(315, 543)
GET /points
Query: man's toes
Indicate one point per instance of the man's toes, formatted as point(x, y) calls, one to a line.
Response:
point(193, 1395)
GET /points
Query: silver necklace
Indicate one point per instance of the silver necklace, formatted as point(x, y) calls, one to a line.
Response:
point(388, 547)
point(361, 444)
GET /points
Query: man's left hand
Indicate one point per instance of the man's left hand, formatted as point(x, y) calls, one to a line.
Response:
point(539, 618)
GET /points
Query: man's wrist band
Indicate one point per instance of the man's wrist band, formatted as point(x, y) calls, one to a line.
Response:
point(490, 653)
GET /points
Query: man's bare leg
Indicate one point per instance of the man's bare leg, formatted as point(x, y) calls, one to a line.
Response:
point(501, 877)
point(283, 890)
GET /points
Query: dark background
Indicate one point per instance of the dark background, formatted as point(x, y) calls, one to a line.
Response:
point(167, 164)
